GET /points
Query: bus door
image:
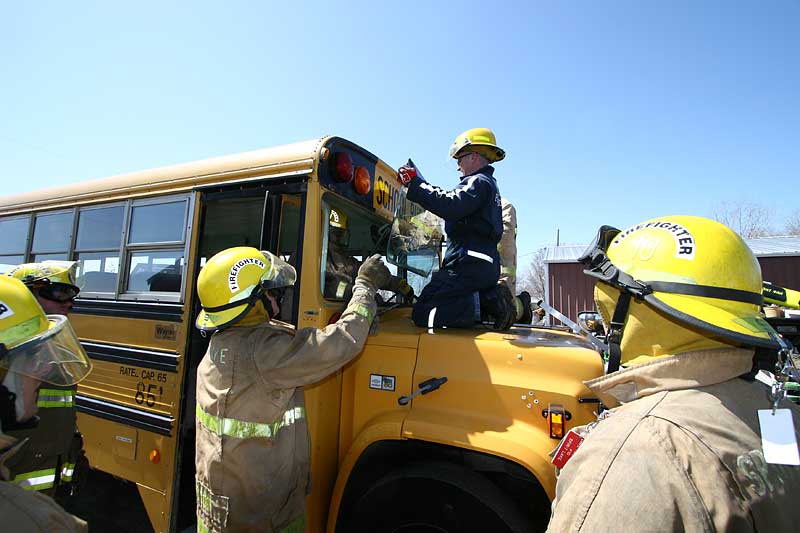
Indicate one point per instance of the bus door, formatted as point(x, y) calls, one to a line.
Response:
point(267, 217)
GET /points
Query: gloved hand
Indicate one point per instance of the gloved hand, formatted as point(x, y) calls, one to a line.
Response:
point(374, 272)
point(406, 173)
point(400, 286)
point(80, 474)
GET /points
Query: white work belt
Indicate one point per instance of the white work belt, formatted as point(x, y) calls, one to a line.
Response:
point(479, 255)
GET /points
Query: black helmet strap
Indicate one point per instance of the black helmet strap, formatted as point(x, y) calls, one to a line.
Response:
point(615, 329)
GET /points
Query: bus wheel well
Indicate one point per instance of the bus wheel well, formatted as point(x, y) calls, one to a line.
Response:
point(386, 460)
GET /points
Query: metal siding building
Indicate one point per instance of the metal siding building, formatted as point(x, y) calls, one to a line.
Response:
point(567, 288)
point(570, 291)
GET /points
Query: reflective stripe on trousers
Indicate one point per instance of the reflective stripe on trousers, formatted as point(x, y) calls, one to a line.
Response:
point(480, 255)
point(66, 472)
point(240, 429)
point(37, 480)
point(55, 398)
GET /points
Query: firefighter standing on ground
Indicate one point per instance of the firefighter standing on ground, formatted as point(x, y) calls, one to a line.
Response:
point(55, 446)
point(465, 290)
point(252, 453)
point(681, 447)
point(34, 349)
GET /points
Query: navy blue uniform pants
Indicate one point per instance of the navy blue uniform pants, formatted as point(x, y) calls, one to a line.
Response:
point(451, 297)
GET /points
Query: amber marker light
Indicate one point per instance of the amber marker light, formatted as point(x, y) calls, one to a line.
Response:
point(155, 456)
point(361, 181)
point(555, 420)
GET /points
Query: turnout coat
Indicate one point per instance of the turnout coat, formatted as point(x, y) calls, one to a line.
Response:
point(252, 449)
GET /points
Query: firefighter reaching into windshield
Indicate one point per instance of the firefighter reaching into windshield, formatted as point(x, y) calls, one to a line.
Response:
point(465, 291)
point(252, 449)
point(341, 267)
point(685, 444)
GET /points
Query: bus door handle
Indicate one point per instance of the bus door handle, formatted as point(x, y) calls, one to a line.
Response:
point(424, 388)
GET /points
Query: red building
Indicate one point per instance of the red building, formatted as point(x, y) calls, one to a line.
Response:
point(570, 291)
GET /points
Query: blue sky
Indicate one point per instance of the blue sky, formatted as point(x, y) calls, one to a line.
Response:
point(611, 112)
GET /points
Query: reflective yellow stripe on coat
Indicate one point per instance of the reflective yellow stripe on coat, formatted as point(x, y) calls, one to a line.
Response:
point(55, 398)
point(37, 480)
point(240, 429)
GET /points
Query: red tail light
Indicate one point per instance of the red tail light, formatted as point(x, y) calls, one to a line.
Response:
point(362, 181)
point(343, 165)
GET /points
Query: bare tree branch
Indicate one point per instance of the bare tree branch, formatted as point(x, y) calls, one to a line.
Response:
point(747, 219)
point(792, 226)
point(532, 278)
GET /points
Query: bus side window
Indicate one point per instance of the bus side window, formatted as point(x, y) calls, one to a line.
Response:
point(13, 239)
point(156, 246)
point(97, 248)
point(52, 233)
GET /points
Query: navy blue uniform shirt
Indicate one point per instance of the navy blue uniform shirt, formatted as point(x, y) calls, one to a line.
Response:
point(471, 211)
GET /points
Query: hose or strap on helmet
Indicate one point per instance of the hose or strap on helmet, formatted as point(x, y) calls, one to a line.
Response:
point(707, 291)
point(225, 307)
point(614, 337)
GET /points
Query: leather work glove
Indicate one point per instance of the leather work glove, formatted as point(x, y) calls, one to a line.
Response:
point(81, 473)
point(400, 286)
point(406, 173)
point(374, 272)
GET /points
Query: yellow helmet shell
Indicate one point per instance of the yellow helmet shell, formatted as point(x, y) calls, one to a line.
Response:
point(21, 316)
point(480, 140)
point(338, 219)
point(39, 346)
point(47, 272)
point(232, 276)
point(696, 251)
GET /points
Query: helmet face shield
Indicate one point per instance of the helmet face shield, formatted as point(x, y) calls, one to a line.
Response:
point(595, 258)
point(279, 274)
point(55, 356)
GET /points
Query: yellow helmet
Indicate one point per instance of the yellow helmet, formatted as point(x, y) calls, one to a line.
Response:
point(55, 280)
point(234, 280)
point(36, 345)
point(693, 271)
point(338, 219)
point(480, 140)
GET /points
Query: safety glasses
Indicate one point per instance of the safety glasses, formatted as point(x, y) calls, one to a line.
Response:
point(59, 292)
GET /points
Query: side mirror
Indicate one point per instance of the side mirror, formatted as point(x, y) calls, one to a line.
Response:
point(592, 322)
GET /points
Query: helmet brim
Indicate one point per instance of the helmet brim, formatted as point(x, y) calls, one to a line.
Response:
point(212, 321)
point(736, 322)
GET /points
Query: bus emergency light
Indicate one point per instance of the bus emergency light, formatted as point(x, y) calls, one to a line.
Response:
point(362, 181)
point(343, 166)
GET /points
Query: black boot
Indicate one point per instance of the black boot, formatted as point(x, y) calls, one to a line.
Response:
point(498, 304)
point(527, 313)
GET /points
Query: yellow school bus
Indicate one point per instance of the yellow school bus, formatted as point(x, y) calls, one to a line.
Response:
point(384, 457)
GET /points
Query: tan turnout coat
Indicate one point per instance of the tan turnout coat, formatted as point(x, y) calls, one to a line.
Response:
point(680, 451)
point(252, 449)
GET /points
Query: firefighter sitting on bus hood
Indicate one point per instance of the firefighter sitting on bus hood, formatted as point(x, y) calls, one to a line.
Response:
point(465, 291)
point(341, 268)
point(34, 349)
point(54, 459)
point(252, 450)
